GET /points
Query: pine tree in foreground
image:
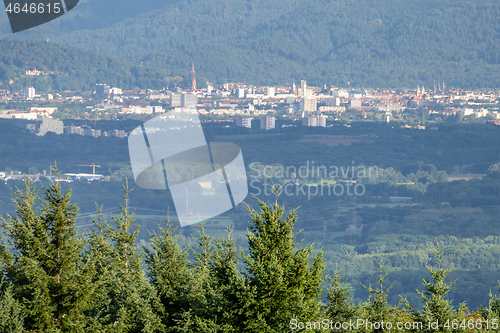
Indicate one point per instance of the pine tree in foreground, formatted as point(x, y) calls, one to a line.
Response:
point(489, 316)
point(11, 316)
point(209, 295)
point(124, 300)
point(436, 307)
point(377, 310)
point(340, 306)
point(287, 284)
point(169, 274)
point(212, 294)
point(45, 270)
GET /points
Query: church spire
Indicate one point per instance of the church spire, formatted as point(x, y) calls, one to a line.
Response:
point(193, 78)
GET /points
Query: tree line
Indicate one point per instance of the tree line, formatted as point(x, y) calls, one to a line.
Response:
point(54, 279)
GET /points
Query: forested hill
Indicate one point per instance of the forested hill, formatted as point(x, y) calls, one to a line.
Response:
point(70, 69)
point(394, 43)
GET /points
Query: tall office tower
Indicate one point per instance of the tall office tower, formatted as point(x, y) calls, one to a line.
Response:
point(189, 100)
point(244, 122)
point(193, 79)
point(51, 125)
point(29, 93)
point(175, 100)
point(314, 121)
point(270, 91)
point(240, 92)
point(267, 123)
point(102, 89)
point(303, 87)
point(308, 104)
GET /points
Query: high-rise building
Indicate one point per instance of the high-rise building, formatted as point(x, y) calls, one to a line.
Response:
point(244, 122)
point(308, 104)
point(334, 101)
point(303, 88)
point(175, 100)
point(240, 92)
point(314, 121)
point(29, 93)
point(189, 100)
point(270, 91)
point(193, 78)
point(267, 123)
point(51, 125)
point(310, 121)
point(322, 120)
point(102, 89)
point(71, 129)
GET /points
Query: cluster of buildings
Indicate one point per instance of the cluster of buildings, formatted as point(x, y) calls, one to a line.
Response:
point(300, 99)
point(266, 122)
point(36, 72)
point(242, 103)
point(57, 126)
point(6, 176)
point(33, 114)
point(88, 131)
point(67, 177)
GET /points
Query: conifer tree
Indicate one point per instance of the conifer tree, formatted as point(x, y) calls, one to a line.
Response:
point(169, 274)
point(11, 316)
point(435, 305)
point(377, 310)
point(287, 284)
point(340, 306)
point(209, 295)
point(225, 297)
point(126, 302)
point(45, 271)
point(99, 265)
point(235, 293)
point(492, 312)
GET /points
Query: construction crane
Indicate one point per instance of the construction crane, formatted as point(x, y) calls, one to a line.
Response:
point(93, 165)
point(52, 167)
point(94, 119)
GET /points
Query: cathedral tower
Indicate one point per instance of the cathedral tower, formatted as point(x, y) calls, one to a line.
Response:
point(193, 79)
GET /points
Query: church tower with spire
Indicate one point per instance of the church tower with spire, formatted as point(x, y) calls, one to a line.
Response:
point(193, 78)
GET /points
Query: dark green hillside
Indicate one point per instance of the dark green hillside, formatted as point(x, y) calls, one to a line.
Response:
point(364, 43)
point(72, 69)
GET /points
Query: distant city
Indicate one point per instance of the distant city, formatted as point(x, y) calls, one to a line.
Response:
point(242, 104)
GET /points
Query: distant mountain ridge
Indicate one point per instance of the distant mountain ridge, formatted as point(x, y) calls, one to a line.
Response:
point(387, 43)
